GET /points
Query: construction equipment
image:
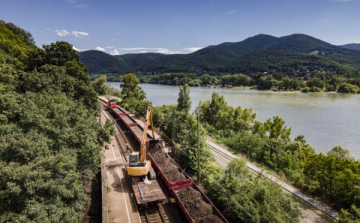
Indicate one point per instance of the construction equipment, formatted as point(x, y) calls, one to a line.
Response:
point(139, 166)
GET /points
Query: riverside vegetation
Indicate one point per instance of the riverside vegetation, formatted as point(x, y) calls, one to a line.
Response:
point(334, 176)
point(262, 81)
point(49, 136)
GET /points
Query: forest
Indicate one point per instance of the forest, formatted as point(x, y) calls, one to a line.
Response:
point(261, 81)
point(49, 136)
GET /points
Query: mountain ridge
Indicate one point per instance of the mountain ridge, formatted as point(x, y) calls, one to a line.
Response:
point(351, 46)
point(269, 52)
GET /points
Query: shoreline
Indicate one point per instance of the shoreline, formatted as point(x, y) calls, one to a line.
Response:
point(251, 88)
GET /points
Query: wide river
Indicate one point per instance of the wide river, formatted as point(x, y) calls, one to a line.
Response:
point(326, 119)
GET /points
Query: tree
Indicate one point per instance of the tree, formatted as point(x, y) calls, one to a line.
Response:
point(60, 53)
point(130, 88)
point(340, 153)
point(243, 119)
point(245, 198)
point(277, 129)
point(184, 101)
point(350, 216)
point(99, 85)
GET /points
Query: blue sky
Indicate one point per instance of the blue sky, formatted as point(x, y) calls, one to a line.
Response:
point(182, 26)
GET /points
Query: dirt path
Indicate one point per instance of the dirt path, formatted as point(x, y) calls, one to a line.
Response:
point(122, 207)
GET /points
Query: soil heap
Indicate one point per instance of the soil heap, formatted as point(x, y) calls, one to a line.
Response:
point(166, 164)
point(198, 208)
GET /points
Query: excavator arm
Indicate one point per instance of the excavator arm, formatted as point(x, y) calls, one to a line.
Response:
point(148, 118)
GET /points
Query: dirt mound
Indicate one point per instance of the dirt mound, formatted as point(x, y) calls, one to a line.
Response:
point(166, 164)
point(199, 210)
point(211, 218)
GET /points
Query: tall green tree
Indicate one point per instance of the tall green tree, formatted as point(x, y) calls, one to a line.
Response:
point(130, 88)
point(99, 85)
point(184, 101)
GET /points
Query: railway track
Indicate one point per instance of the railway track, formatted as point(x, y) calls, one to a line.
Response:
point(119, 135)
point(154, 215)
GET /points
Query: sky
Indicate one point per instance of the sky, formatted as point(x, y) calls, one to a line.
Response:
point(179, 26)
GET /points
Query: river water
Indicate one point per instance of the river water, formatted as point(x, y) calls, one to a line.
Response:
point(326, 119)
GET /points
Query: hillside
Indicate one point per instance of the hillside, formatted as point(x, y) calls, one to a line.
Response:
point(351, 46)
point(99, 62)
point(260, 53)
point(135, 60)
point(49, 135)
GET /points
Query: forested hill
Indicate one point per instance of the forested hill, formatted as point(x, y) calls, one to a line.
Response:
point(99, 62)
point(261, 53)
point(352, 46)
point(49, 135)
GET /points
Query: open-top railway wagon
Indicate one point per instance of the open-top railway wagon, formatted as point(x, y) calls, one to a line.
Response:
point(193, 203)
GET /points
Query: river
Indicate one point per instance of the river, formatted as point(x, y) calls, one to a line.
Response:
point(325, 119)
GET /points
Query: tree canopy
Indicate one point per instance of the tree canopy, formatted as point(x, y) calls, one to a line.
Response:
point(49, 135)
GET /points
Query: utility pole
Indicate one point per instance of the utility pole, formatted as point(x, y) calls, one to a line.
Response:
point(198, 150)
point(173, 134)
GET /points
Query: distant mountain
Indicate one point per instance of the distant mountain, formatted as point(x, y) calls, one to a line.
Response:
point(135, 59)
point(102, 63)
point(260, 53)
point(351, 46)
point(99, 62)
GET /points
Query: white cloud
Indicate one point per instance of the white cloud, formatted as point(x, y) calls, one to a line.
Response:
point(231, 12)
point(159, 50)
point(100, 49)
point(115, 52)
point(80, 6)
point(63, 32)
point(135, 48)
point(109, 47)
point(76, 48)
point(164, 51)
point(79, 34)
point(193, 49)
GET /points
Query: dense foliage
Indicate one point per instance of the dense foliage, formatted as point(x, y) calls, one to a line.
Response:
point(133, 96)
point(262, 81)
point(294, 55)
point(49, 136)
point(333, 177)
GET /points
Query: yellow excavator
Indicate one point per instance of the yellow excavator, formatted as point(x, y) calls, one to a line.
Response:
point(139, 166)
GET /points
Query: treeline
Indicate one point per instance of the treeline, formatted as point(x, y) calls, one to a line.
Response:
point(260, 81)
point(240, 196)
point(335, 176)
point(49, 135)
